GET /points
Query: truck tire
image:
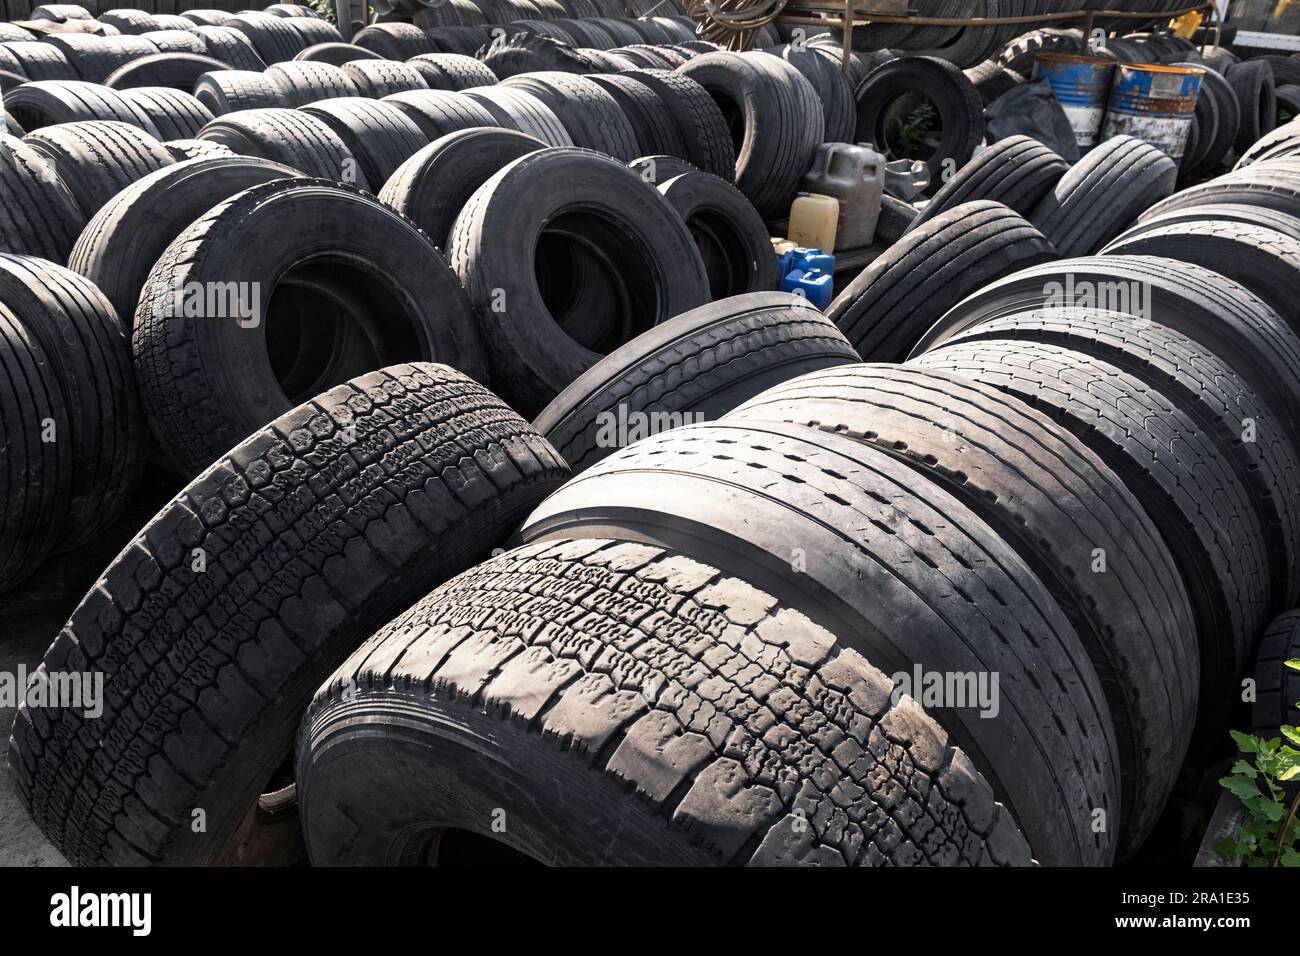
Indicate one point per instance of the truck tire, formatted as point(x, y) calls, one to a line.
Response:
point(1277, 687)
point(306, 82)
point(374, 289)
point(175, 115)
point(669, 790)
point(377, 79)
point(335, 54)
point(273, 39)
point(1252, 81)
point(700, 120)
point(590, 115)
point(234, 91)
point(1229, 212)
point(520, 110)
point(655, 128)
point(232, 47)
point(395, 41)
point(452, 471)
point(451, 71)
point(290, 137)
point(378, 134)
point(38, 214)
point(53, 102)
point(98, 160)
point(440, 112)
point(41, 61)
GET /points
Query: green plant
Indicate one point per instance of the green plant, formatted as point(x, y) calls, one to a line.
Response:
point(1272, 837)
point(912, 127)
point(325, 8)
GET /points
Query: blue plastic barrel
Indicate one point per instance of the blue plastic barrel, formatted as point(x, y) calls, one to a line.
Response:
point(1155, 104)
point(1082, 87)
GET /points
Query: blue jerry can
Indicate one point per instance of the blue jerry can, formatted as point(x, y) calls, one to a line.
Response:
point(813, 284)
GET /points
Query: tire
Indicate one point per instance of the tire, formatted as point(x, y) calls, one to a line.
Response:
point(44, 103)
point(696, 367)
point(289, 137)
point(452, 474)
point(273, 39)
point(1277, 687)
point(395, 41)
point(700, 121)
point(232, 47)
point(130, 22)
point(38, 214)
point(1270, 184)
point(898, 595)
point(305, 83)
point(176, 41)
point(839, 108)
point(520, 110)
point(373, 286)
point(378, 134)
point(377, 79)
point(41, 61)
point(657, 170)
point(655, 129)
point(1017, 171)
point(1103, 194)
point(435, 183)
point(1204, 387)
point(1288, 103)
point(94, 58)
point(313, 30)
point(1218, 116)
point(775, 120)
point(97, 160)
point(84, 341)
point(992, 80)
point(730, 234)
point(669, 791)
point(954, 98)
point(336, 54)
point(1221, 212)
point(174, 114)
point(234, 91)
point(1175, 471)
point(896, 218)
point(892, 303)
point(1054, 502)
point(34, 486)
point(183, 149)
point(203, 18)
point(590, 115)
point(440, 112)
point(1252, 81)
point(596, 210)
point(179, 71)
point(1281, 143)
point(129, 234)
point(1264, 261)
point(451, 71)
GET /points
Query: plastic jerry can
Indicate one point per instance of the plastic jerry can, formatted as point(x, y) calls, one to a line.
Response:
point(855, 176)
point(813, 284)
point(803, 258)
point(814, 220)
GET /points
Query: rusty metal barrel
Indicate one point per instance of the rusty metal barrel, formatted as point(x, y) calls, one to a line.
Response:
point(1156, 104)
point(1082, 87)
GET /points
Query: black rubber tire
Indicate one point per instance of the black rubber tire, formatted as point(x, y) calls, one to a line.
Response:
point(839, 108)
point(1207, 389)
point(175, 115)
point(336, 54)
point(378, 134)
point(40, 61)
point(1016, 171)
point(892, 303)
point(273, 39)
point(38, 214)
point(520, 110)
point(1281, 143)
point(451, 71)
point(992, 80)
point(1218, 212)
point(129, 234)
point(291, 137)
point(1103, 194)
point(307, 82)
point(1264, 261)
point(450, 471)
point(1252, 81)
point(439, 112)
point(176, 41)
point(901, 571)
point(435, 183)
point(377, 79)
point(129, 21)
point(583, 202)
point(207, 384)
point(656, 130)
point(183, 149)
point(693, 368)
point(233, 47)
point(234, 91)
point(1218, 115)
point(52, 102)
point(1174, 470)
point(313, 31)
point(94, 58)
point(86, 345)
point(657, 170)
point(203, 18)
point(896, 218)
point(1288, 103)
point(670, 790)
point(34, 485)
point(1277, 687)
point(1055, 503)
point(700, 120)
point(590, 115)
point(730, 234)
point(775, 121)
point(179, 71)
point(395, 41)
point(955, 100)
point(97, 160)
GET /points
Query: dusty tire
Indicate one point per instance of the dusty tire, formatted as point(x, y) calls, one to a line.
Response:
point(335, 54)
point(440, 112)
point(591, 116)
point(290, 137)
point(377, 79)
point(40, 61)
point(520, 110)
point(451, 71)
point(175, 115)
point(306, 82)
point(892, 303)
point(597, 211)
point(98, 160)
point(695, 367)
point(656, 129)
point(233, 91)
point(1282, 143)
point(700, 121)
point(1055, 502)
point(751, 497)
point(370, 287)
point(625, 809)
point(1218, 117)
point(395, 41)
point(378, 134)
point(53, 102)
point(39, 216)
point(1252, 81)
point(274, 40)
point(230, 46)
point(453, 469)
point(1103, 194)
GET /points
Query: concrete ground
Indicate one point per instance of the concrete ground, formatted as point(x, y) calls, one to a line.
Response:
point(30, 617)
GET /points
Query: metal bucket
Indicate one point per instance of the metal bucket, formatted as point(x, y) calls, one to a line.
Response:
point(1155, 104)
point(1082, 86)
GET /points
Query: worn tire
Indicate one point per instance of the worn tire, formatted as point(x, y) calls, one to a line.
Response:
point(233, 91)
point(1277, 687)
point(378, 134)
point(590, 115)
point(655, 128)
point(377, 79)
point(451, 71)
point(97, 160)
point(700, 121)
point(335, 54)
point(39, 216)
point(273, 39)
point(233, 47)
point(40, 61)
point(440, 112)
point(1252, 81)
point(291, 137)
point(53, 102)
point(175, 115)
point(449, 470)
point(520, 110)
point(307, 82)
point(395, 41)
